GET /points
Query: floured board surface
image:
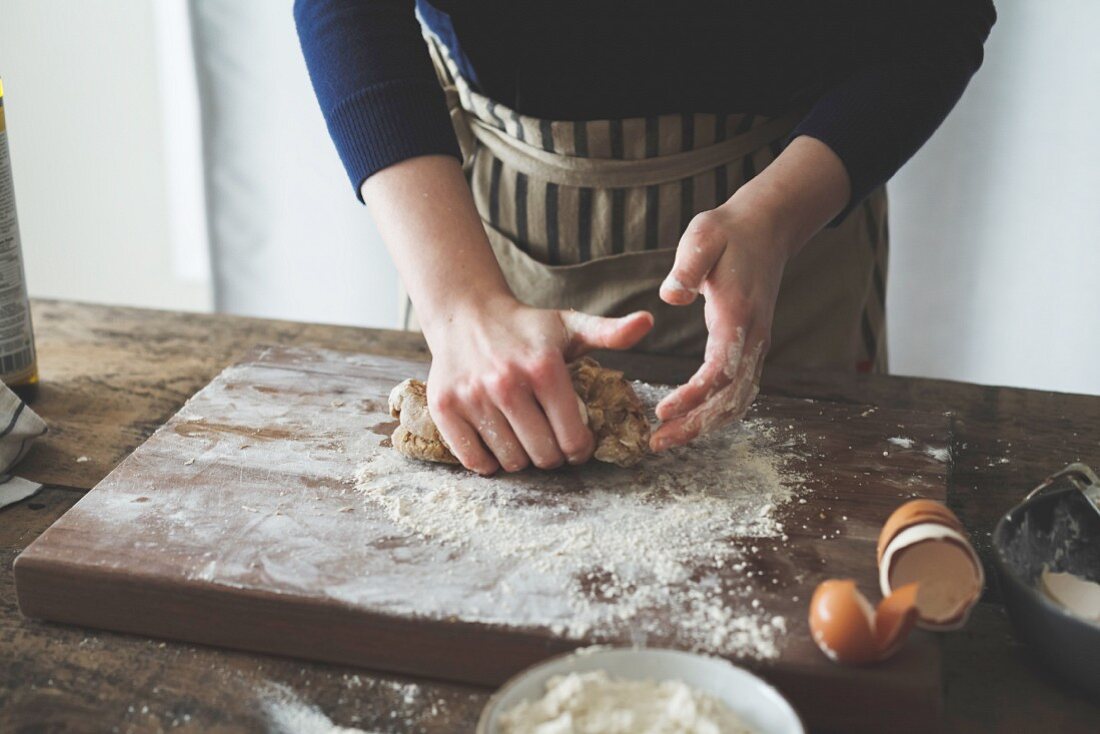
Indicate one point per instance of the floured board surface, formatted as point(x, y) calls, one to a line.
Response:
point(269, 514)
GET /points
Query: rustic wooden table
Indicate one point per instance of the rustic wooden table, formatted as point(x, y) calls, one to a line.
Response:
point(111, 376)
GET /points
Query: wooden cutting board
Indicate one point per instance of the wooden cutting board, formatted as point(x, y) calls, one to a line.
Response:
point(270, 515)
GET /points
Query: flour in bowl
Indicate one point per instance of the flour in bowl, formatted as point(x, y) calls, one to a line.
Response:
point(595, 703)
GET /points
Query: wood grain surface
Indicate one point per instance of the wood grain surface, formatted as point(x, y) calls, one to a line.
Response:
point(237, 525)
point(112, 375)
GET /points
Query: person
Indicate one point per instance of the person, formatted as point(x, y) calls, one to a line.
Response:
point(555, 177)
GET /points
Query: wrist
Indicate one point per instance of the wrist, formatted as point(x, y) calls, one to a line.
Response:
point(470, 305)
point(762, 213)
point(800, 192)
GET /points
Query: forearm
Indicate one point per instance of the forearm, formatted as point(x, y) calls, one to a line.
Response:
point(798, 194)
point(426, 215)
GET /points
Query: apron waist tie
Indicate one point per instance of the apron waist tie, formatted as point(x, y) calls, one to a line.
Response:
point(613, 173)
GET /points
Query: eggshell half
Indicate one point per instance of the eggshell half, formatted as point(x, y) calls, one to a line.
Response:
point(941, 560)
point(912, 513)
point(894, 619)
point(849, 631)
point(841, 623)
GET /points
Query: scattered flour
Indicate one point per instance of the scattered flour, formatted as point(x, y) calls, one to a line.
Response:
point(636, 552)
point(594, 703)
point(939, 454)
point(288, 714)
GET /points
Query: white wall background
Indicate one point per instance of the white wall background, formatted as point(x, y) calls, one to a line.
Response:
point(289, 237)
point(85, 127)
point(995, 271)
point(995, 263)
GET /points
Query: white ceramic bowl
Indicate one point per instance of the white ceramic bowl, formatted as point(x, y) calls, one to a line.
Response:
point(760, 706)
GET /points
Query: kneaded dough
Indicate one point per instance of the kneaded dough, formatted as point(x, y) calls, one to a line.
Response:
point(609, 406)
point(615, 414)
point(416, 435)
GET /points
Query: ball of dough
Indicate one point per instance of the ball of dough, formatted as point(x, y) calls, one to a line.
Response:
point(608, 405)
point(416, 435)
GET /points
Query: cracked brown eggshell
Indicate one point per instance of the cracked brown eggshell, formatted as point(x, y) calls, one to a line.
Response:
point(849, 630)
point(915, 512)
point(924, 543)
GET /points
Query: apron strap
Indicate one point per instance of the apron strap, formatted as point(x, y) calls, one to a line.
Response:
point(613, 173)
point(593, 172)
point(460, 119)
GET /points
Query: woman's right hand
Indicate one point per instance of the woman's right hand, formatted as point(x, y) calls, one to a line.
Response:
point(499, 390)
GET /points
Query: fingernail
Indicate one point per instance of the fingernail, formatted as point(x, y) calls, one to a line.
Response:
point(673, 284)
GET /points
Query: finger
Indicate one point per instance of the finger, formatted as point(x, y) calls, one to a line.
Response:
point(588, 332)
point(754, 368)
point(554, 391)
point(699, 249)
point(462, 439)
point(715, 411)
point(747, 386)
point(688, 396)
point(532, 429)
point(495, 432)
point(758, 373)
point(671, 434)
point(720, 365)
point(726, 405)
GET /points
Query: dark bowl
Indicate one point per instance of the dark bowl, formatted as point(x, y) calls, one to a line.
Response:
point(1059, 529)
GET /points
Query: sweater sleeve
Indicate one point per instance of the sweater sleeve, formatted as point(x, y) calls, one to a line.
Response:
point(375, 83)
point(922, 58)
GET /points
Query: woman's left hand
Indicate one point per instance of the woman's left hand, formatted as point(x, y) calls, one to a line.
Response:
point(735, 259)
point(735, 255)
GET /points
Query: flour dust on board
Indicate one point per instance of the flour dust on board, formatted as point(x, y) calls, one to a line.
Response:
point(642, 553)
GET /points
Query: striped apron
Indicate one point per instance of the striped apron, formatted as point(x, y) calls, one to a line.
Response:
point(586, 215)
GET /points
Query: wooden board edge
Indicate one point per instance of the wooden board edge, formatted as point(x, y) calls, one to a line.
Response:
point(331, 632)
point(328, 631)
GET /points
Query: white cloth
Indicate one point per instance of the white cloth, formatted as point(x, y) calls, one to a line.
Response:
point(288, 239)
point(19, 426)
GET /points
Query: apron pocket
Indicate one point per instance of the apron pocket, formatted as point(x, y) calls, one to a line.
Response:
point(615, 285)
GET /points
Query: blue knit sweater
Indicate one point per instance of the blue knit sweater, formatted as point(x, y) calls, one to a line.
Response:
point(877, 77)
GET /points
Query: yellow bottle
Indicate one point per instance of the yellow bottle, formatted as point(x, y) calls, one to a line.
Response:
point(18, 361)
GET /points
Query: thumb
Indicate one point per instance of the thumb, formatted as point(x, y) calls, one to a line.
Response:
point(698, 251)
point(586, 332)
